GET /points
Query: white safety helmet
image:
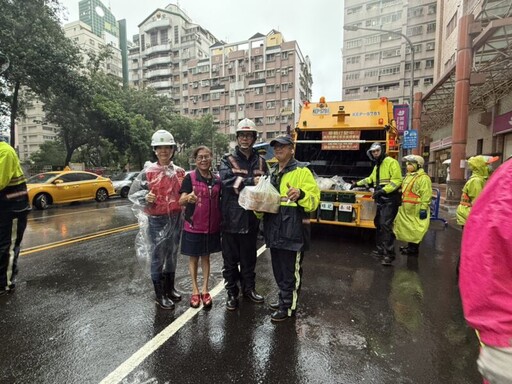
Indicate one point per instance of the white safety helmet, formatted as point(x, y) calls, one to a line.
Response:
point(162, 137)
point(246, 125)
point(373, 147)
point(415, 159)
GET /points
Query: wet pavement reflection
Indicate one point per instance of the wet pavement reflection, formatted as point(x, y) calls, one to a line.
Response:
point(81, 311)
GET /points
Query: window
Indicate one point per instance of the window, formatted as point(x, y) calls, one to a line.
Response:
point(258, 91)
point(164, 37)
point(284, 72)
point(271, 119)
point(176, 35)
point(271, 89)
point(258, 106)
point(389, 71)
point(431, 27)
point(417, 49)
point(431, 46)
point(372, 56)
point(215, 111)
point(417, 65)
point(391, 18)
point(215, 96)
point(352, 76)
point(153, 38)
point(415, 12)
point(271, 73)
point(353, 10)
point(479, 146)
point(353, 60)
point(429, 63)
point(414, 31)
point(431, 9)
point(271, 104)
point(391, 53)
point(428, 80)
point(452, 24)
point(284, 55)
point(372, 22)
point(371, 73)
point(284, 87)
point(351, 91)
point(354, 43)
point(271, 57)
point(372, 39)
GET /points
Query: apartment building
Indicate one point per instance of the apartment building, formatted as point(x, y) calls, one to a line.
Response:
point(376, 63)
point(263, 78)
point(96, 29)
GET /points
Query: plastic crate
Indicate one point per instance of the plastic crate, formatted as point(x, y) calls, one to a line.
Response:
point(344, 197)
point(345, 213)
point(328, 196)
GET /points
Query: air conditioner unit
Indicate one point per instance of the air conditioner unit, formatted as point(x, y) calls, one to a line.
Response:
point(485, 118)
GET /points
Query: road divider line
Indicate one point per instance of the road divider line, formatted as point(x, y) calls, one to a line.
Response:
point(62, 243)
point(156, 342)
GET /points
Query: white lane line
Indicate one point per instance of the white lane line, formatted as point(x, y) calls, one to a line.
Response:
point(156, 342)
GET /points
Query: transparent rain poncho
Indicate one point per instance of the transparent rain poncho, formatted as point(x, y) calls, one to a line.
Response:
point(160, 222)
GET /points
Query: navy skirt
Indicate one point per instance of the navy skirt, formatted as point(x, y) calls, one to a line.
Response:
point(199, 244)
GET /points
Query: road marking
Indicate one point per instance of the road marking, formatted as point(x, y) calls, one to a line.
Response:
point(156, 342)
point(62, 243)
point(49, 216)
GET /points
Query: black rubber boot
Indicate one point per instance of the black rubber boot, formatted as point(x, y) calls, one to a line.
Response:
point(170, 291)
point(161, 298)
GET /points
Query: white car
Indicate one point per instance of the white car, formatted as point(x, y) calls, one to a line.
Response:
point(122, 182)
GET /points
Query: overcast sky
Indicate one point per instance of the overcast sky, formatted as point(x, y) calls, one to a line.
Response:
point(316, 25)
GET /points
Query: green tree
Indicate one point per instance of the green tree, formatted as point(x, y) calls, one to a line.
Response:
point(50, 153)
point(41, 57)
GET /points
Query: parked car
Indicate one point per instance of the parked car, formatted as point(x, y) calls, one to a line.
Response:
point(66, 187)
point(123, 181)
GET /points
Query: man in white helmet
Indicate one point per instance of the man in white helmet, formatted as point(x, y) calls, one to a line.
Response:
point(413, 218)
point(155, 194)
point(238, 169)
point(386, 178)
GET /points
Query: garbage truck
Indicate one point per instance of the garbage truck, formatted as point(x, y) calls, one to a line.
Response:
point(334, 137)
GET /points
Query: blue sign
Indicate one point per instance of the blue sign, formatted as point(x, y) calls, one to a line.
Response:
point(410, 139)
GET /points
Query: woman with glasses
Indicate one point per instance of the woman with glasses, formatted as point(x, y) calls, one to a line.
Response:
point(200, 194)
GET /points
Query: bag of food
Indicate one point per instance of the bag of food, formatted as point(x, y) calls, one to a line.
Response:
point(263, 197)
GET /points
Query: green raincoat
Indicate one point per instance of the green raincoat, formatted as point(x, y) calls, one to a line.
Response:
point(416, 195)
point(472, 188)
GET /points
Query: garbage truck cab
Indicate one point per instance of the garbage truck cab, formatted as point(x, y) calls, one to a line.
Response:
point(334, 137)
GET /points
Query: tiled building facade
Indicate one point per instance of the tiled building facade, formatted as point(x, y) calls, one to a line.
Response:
point(377, 64)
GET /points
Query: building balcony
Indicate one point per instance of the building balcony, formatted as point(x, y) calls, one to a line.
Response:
point(157, 60)
point(160, 84)
point(157, 48)
point(157, 72)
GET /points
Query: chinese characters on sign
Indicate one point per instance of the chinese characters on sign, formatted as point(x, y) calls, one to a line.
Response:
point(341, 135)
point(401, 115)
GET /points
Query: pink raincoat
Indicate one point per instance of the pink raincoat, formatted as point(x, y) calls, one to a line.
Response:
point(485, 278)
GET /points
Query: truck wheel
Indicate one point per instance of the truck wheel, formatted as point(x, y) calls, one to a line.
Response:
point(42, 201)
point(101, 195)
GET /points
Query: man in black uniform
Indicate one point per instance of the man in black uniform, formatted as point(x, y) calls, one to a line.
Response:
point(239, 169)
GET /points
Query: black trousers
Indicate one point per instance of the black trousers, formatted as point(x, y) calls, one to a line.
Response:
point(287, 268)
point(239, 249)
point(12, 227)
point(385, 238)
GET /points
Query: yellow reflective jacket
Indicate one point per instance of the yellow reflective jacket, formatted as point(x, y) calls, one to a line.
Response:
point(13, 187)
point(471, 190)
point(390, 176)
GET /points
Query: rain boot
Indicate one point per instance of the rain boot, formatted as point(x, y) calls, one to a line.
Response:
point(160, 297)
point(171, 292)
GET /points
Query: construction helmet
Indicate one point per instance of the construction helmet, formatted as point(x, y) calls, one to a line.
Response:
point(415, 159)
point(162, 137)
point(246, 125)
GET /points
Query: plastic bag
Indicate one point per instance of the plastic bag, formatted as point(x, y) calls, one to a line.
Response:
point(263, 197)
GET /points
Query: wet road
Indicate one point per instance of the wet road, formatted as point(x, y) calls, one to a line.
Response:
point(83, 313)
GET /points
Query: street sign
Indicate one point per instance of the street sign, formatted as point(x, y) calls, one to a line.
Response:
point(410, 139)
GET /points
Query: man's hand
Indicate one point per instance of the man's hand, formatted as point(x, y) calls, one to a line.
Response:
point(378, 194)
point(293, 194)
point(150, 197)
point(423, 214)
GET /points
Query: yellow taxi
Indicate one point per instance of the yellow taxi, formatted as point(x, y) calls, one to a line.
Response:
point(66, 187)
